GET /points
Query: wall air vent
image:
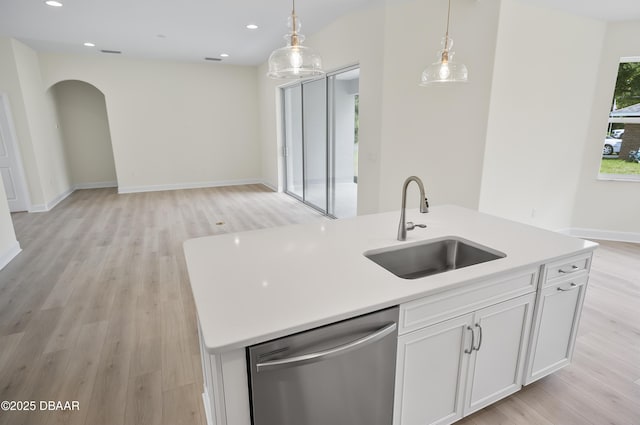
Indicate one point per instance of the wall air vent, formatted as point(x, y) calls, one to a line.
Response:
point(115, 52)
point(213, 59)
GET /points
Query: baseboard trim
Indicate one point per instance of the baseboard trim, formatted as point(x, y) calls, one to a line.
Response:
point(267, 185)
point(605, 235)
point(207, 408)
point(64, 195)
point(138, 189)
point(178, 186)
point(95, 185)
point(36, 208)
point(9, 254)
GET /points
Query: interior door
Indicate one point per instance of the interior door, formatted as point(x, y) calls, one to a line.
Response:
point(9, 166)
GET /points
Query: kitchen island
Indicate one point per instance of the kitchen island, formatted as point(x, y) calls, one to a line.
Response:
point(256, 286)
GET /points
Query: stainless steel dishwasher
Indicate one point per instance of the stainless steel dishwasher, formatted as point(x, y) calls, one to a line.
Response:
point(340, 374)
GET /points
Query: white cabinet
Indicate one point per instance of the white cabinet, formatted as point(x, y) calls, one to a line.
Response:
point(497, 363)
point(555, 327)
point(450, 369)
point(431, 372)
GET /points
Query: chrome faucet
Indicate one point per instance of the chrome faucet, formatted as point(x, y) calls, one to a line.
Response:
point(424, 208)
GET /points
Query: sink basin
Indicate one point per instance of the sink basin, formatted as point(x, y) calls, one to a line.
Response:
point(432, 257)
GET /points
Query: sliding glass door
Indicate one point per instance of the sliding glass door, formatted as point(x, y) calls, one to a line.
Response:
point(320, 121)
point(314, 125)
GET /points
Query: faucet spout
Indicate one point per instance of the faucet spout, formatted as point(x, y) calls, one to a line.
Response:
point(424, 207)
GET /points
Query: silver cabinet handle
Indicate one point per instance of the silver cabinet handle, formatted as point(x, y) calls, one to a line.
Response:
point(480, 339)
point(473, 337)
point(573, 286)
point(573, 269)
point(332, 352)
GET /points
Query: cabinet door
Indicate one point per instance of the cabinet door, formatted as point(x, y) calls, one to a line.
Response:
point(497, 364)
point(555, 329)
point(431, 373)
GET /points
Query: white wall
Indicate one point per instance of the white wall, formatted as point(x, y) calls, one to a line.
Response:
point(344, 114)
point(436, 133)
point(364, 32)
point(10, 84)
point(83, 120)
point(172, 124)
point(41, 117)
point(271, 157)
point(609, 206)
point(543, 84)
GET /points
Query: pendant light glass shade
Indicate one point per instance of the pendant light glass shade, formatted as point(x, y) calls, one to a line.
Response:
point(445, 70)
point(294, 60)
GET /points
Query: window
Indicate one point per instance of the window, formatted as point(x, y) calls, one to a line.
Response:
point(621, 147)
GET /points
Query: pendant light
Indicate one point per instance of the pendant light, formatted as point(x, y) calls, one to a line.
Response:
point(445, 70)
point(294, 60)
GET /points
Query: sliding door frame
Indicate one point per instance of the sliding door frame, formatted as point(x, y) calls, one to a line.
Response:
point(329, 138)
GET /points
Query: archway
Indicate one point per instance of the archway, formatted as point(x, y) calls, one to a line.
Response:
point(84, 124)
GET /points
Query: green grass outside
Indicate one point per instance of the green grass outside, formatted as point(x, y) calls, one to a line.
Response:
point(619, 166)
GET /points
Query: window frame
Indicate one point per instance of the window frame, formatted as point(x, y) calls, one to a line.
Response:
point(614, 120)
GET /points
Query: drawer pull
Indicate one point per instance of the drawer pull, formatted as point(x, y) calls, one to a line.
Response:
point(573, 269)
point(473, 337)
point(573, 286)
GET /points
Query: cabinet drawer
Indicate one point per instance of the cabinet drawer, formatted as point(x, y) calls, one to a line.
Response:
point(566, 268)
point(443, 306)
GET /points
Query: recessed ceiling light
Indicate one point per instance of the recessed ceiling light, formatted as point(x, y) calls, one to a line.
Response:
point(252, 27)
point(224, 55)
point(53, 3)
point(87, 44)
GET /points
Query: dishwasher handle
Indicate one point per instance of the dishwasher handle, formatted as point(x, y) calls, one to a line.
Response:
point(325, 354)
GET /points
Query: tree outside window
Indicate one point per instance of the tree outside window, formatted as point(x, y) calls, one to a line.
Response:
point(623, 132)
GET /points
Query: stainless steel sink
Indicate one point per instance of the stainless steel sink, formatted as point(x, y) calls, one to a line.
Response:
point(432, 257)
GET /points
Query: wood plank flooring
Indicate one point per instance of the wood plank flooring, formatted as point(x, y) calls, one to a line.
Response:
point(602, 385)
point(97, 308)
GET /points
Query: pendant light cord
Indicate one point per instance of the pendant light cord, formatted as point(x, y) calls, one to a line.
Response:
point(446, 35)
point(294, 24)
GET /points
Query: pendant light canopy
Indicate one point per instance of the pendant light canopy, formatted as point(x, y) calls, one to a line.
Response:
point(294, 60)
point(445, 70)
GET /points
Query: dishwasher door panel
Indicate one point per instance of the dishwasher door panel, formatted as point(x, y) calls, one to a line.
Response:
point(341, 374)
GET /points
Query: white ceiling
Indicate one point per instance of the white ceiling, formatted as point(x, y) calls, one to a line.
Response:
point(193, 29)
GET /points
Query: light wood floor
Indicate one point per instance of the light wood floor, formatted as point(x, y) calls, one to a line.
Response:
point(97, 308)
point(602, 385)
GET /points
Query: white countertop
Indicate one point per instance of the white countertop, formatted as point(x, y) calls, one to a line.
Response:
point(255, 286)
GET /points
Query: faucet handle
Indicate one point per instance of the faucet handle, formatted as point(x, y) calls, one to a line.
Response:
point(411, 225)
